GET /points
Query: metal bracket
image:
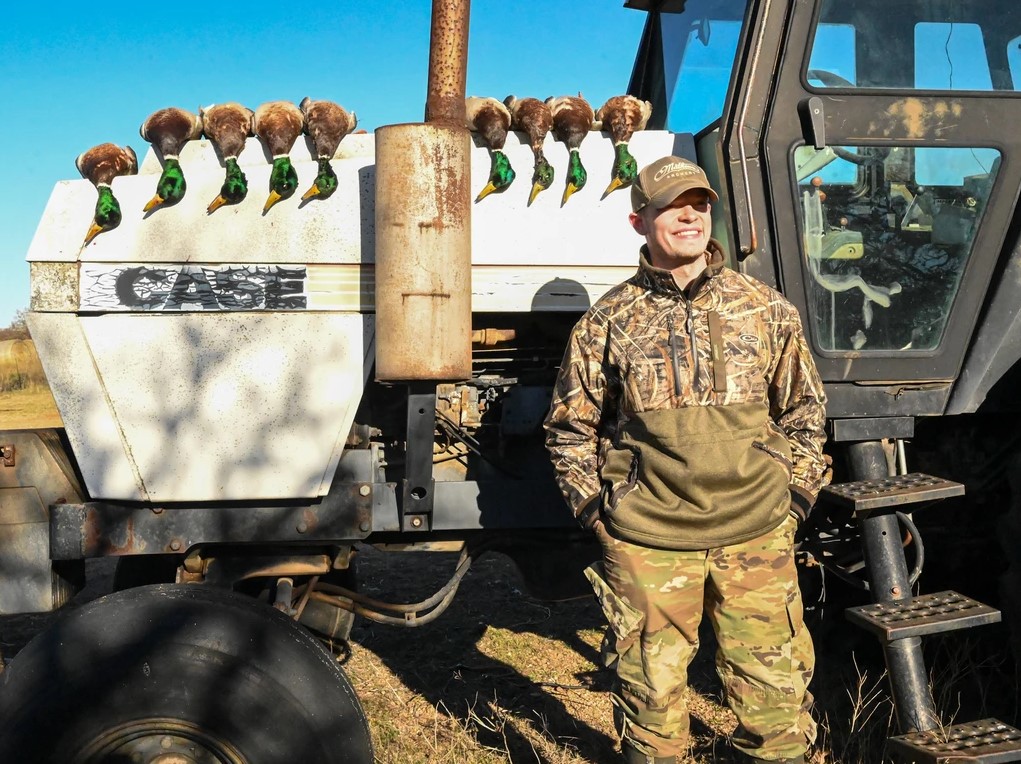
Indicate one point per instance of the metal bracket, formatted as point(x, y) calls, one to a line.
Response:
point(418, 485)
point(7, 455)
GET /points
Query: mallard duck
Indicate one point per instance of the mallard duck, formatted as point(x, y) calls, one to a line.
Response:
point(227, 125)
point(326, 123)
point(572, 120)
point(168, 130)
point(491, 119)
point(534, 118)
point(278, 125)
point(622, 115)
point(100, 165)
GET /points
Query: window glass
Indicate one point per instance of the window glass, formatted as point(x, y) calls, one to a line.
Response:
point(917, 45)
point(950, 57)
point(887, 232)
point(1014, 59)
point(833, 54)
point(699, 47)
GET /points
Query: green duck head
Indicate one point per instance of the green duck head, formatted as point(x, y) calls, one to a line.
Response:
point(501, 175)
point(542, 178)
point(325, 183)
point(577, 177)
point(283, 181)
point(171, 186)
point(234, 188)
point(108, 214)
point(625, 169)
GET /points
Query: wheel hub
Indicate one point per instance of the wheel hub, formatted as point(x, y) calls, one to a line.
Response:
point(159, 741)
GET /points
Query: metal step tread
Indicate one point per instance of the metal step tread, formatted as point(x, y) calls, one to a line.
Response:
point(987, 741)
point(925, 614)
point(868, 495)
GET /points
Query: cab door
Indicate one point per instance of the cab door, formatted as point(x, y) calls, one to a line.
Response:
point(875, 156)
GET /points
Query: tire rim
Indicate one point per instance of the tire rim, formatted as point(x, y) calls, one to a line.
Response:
point(159, 741)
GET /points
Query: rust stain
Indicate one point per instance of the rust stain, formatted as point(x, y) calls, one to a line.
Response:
point(448, 62)
point(97, 539)
point(433, 295)
point(310, 519)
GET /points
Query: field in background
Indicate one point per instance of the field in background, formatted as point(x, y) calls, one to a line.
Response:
point(25, 399)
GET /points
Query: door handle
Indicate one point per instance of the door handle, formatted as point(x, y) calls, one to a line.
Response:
point(813, 121)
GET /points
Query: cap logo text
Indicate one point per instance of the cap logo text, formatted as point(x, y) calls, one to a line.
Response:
point(677, 168)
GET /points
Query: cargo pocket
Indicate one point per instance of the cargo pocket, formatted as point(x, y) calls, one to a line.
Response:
point(620, 481)
point(621, 651)
point(782, 461)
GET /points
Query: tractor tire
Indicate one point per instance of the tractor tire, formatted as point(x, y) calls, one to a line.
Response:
point(181, 673)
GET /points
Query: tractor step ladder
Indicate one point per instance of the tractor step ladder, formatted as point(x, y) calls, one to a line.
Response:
point(900, 620)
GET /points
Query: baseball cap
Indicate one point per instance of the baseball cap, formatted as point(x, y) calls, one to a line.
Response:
point(662, 181)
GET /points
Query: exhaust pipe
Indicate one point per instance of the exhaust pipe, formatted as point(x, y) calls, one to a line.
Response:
point(423, 222)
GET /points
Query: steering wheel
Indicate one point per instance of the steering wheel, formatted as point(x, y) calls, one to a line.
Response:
point(829, 79)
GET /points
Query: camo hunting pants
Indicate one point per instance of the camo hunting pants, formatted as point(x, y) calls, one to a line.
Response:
point(654, 599)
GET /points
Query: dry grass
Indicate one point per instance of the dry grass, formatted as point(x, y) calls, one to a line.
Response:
point(25, 399)
point(26, 409)
point(501, 677)
point(20, 368)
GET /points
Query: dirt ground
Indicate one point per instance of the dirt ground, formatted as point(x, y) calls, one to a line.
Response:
point(502, 677)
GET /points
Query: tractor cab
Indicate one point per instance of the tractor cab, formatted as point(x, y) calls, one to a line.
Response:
point(869, 171)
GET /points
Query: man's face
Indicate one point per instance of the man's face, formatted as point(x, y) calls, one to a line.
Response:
point(677, 235)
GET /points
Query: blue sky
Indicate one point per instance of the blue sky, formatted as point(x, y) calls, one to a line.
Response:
point(89, 73)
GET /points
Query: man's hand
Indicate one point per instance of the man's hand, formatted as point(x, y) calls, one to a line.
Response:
point(801, 504)
point(588, 515)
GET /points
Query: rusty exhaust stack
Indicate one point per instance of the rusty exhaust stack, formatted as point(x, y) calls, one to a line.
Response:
point(423, 222)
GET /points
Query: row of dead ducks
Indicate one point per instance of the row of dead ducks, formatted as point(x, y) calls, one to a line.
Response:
point(279, 123)
point(570, 119)
point(227, 126)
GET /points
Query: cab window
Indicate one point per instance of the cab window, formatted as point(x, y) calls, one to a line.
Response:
point(887, 234)
point(943, 45)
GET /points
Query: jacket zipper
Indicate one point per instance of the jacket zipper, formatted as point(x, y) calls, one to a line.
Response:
point(689, 327)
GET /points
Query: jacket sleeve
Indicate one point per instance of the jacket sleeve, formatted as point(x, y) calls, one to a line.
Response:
point(580, 413)
point(797, 404)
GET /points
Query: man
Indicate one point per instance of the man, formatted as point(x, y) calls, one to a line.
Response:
point(686, 430)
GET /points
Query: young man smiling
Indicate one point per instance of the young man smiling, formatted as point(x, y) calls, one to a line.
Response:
point(686, 431)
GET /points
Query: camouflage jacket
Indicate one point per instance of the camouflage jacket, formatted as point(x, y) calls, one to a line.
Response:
point(728, 342)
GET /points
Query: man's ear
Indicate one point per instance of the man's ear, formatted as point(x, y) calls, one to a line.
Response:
point(637, 222)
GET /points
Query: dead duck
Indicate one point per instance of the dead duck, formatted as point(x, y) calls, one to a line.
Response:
point(227, 126)
point(326, 123)
point(534, 118)
point(168, 130)
point(621, 116)
point(572, 120)
point(278, 125)
point(100, 165)
point(491, 119)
